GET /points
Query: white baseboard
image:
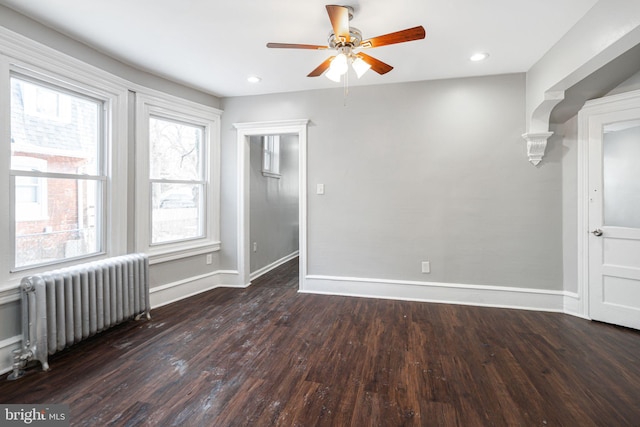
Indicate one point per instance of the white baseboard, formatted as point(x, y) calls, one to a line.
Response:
point(9, 294)
point(574, 306)
point(447, 293)
point(175, 291)
point(273, 265)
point(6, 348)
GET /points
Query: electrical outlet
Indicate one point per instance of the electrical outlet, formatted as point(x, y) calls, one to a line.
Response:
point(255, 246)
point(209, 258)
point(426, 267)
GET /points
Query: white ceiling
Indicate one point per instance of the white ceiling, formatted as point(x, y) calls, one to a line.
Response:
point(214, 45)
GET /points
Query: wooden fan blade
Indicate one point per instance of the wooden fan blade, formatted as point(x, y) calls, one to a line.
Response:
point(376, 65)
point(321, 68)
point(410, 34)
point(296, 46)
point(339, 17)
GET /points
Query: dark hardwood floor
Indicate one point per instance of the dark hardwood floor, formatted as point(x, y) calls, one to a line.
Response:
point(266, 356)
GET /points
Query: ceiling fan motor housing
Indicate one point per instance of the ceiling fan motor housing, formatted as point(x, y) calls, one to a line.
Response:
point(336, 42)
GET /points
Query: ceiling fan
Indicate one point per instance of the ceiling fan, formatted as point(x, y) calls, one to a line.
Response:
point(347, 41)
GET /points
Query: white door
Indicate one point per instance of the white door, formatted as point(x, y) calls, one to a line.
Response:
point(614, 217)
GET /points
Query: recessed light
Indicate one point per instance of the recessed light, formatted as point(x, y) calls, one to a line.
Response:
point(480, 56)
point(254, 79)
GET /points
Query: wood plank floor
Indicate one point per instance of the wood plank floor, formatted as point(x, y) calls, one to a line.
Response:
point(267, 356)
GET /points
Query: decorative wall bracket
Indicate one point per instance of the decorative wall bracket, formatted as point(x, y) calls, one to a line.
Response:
point(538, 126)
point(536, 145)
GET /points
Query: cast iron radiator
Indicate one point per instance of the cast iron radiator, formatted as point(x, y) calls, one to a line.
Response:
point(65, 306)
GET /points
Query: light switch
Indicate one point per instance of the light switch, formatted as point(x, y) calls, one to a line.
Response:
point(320, 189)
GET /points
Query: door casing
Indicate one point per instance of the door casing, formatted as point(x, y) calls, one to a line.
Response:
point(244, 132)
point(591, 110)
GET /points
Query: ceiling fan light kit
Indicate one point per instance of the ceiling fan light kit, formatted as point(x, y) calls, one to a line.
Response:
point(347, 41)
point(360, 67)
point(339, 64)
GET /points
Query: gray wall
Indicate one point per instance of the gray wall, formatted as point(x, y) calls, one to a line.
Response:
point(274, 204)
point(419, 171)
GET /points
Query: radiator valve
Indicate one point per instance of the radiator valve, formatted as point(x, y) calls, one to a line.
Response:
point(19, 362)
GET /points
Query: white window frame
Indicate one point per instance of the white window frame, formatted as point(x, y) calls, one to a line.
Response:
point(41, 174)
point(271, 156)
point(22, 56)
point(159, 105)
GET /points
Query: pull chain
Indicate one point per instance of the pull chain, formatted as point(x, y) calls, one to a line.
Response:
point(346, 89)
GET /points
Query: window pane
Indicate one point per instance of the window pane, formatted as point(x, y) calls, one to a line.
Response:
point(271, 154)
point(27, 189)
point(175, 150)
point(621, 175)
point(54, 125)
point(60, 224)
point(177, 212)
point(266, 161)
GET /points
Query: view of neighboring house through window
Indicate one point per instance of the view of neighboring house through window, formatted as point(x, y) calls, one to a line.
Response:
point(57, 175)
point(177, 179)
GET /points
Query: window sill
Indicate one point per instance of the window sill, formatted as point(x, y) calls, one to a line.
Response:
point(271, 174)
point(160, 256)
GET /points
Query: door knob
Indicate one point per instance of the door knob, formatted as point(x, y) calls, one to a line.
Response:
point(597, 232)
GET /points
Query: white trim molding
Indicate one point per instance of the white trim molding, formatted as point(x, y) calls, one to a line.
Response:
point(26, 57)
point(573, 305)
point(168, 107)
point(244, 132)
point(9, 294)
point(179, 290)
point(446, 293)
point(6, 357)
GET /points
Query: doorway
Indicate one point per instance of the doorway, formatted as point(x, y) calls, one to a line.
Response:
point(610, 129)
point(274, 200)
point(244, 133)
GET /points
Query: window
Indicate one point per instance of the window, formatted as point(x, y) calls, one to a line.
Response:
point(64, 167)
point(57, 174)
point(177, 181)
point(271, 156)
point(177, 177)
